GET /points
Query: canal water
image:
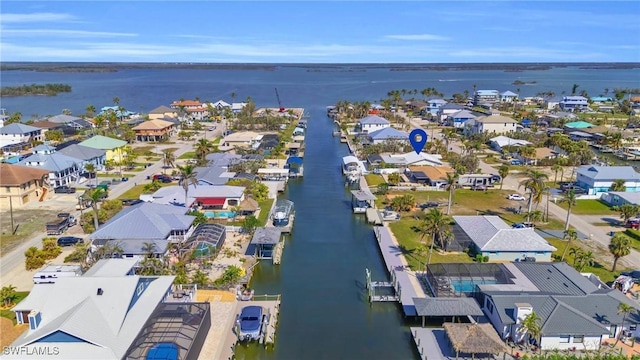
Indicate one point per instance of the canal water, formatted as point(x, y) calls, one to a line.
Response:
point(325, 313)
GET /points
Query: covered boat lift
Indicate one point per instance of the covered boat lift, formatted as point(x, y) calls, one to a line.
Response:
point(265, 240)
point(361, 200)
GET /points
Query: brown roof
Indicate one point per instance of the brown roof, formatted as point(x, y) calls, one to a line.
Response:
point(153, 125)
point(474, 338)
point(544, 152)
point(496, 119)
point(46, 124)
point(249, 204)
point(16, 175)
point(187, 103)
point(433, 172)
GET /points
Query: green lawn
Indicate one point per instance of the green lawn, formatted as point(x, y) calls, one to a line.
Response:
point(589, 207)
point(188, 155)
point(599, 269)
point(635, 238)
point(10, 314)
point(410, 243)
point(136, 191)
point(265, 208)
point(374, 179)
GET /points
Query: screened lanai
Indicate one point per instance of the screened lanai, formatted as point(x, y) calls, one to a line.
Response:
point(460, 279)
point(205, 240)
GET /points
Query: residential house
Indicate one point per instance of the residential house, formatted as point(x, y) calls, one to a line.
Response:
point(575, 311)
point(161, 112)
point(619, 198)
point(486, 97)
point(74, 122)
point(574, 103)
point(245, 139)
point(490, 236)
point(553, 102)
point(213, 175)
point(498, 142)
point(269, 142)
point(400, 162)
point(222, 159)
point(114, 147)
point(577, 125)
point(119, 111)
point(434, 105)
point(22, 185)
point(237, 107)
point(85, 155)
point(46, 125)
point(63, 169)
point(221, 105)
point(447, 109)
point(459, 118)
point(219, 197)
point(372, 123)
point(494, 123)
point(601, 99)
point(192, 110)
point(109, 315)
point(430, 175)
point(19, 133)
point(154, 130)
point(134, 227)
point(508, 97)
point(599, 179)
point(387, 134)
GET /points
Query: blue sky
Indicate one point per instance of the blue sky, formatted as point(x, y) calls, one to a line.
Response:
point(320, 32)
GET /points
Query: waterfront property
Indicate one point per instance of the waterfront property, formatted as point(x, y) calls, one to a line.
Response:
point(265, 241)
point(23, 185)
point(85, 155)
point(387, 134)
point(486, 97)
point(70, 121)
point(372, 123)
point(240, 139)
point(361, 200)
point(490, 236)
point(599, 179)
point(574, 103)
point(218, 197)
point(204, 241)
point(19, 133)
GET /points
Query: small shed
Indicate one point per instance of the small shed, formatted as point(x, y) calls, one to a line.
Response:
point(265, 240)
point(474, 339)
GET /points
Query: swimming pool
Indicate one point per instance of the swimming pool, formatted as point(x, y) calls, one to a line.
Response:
point(219, 214)
point(469, 285)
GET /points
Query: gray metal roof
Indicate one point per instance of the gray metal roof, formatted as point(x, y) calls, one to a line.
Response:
point(447, 306)
point(111, 267)
point(82, 152)
point(222, 159)
point(63, 119)
point(374, 120)
point(53, 162)
point(17, 128)
point(138, 247)
point(363, 195)
point(107, 324)
point(389, 133)
point(266, 235)
point(145, 221)
point(627, 173)
point(556, 278)
point(490, 233)
point(212, 175)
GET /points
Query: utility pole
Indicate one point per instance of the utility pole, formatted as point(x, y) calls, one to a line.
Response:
point(13, 229)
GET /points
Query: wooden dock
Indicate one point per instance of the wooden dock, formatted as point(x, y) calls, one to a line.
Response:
point(372, 286)
point(277, 252)
point(271, 309)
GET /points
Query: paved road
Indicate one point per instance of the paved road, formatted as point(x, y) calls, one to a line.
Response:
point(14, 259)
point(598, 235)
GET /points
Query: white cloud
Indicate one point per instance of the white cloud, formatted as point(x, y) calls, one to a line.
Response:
point(417, 37)
point(64, 33)
point(37, 17)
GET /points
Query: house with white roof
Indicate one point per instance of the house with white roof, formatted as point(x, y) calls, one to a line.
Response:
point(387, 134)
point(63, 169)
point(599, 179)
point(237, 107)
point(372, 123)
point(498, 142)
point(433, 105)
point(403, 161)
point(447, 109)
point(246, 139)
point(491, 236)
point(221, 104)
point(19, 133)
point(144, 223)
point(508, 96)
point(209, 197)
point(213, 175)
point(619, 198)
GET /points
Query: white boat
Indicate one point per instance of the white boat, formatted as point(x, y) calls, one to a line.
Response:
point(280, 218)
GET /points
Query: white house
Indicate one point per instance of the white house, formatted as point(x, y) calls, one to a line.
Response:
point(486, 97)
point(19, 133)
point(494, 123)
point(508, 96)
point(434, 105)
point(599, 179)
point(459, 118)
point(388, 134)
point(498, 142)
point(447, 109)
point(372, 123)
point(574, 103)
point(63, 169)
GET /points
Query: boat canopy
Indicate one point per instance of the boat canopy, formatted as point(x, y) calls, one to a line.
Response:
point(350, 159)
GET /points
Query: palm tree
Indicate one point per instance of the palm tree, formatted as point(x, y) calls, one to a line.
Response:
point(203, 147)
point(534, 182)
point(618, 185)
point(571, 202)
point(434, 224)
point(620, 246)
point(148, 248)
point(503, 171)
point(116, 101)
point(569, 235)
point(95, 196)
point(627, 211)
point(584, 259)
point(624, 310)
point(555, 168)
point(187, 177)
point(531, 325)
point(91, 110)
point(452, 179)
point(91, 169)
point(8, 294)
point(168, 158)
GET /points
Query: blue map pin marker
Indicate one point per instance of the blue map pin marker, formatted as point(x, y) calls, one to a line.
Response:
point(418, 138)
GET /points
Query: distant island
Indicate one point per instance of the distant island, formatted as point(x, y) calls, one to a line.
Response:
point(520, 82)
point(34, 89)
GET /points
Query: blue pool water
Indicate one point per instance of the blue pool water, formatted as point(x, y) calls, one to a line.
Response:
point(468, 285)
point(219, 214)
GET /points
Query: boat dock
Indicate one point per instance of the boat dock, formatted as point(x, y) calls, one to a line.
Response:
point(271, 309)
point(404, 281)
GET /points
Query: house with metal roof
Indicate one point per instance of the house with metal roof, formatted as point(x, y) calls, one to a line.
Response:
point(508, 96)
point(498, 142)
point(23, 185)
point(619, 198)
point(387, 134)
point(110, 316)
point(447, 109)
point(114, 147)
point(574, 103)
point(213, 175)
point(71, 121)
point(486, 97)
point(459, 118)
point(433, 105)
point(144, 223)
point(494, 123)
point(412, 159)
point(19, 133)
point(218, 197)
point(490, 236)
point(85, 155)
point(599, 179)
point(372, 123)
point(222, 159)
point(63, 169)
point(221, 104)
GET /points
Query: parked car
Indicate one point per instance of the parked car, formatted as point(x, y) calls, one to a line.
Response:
point(69, 240)
point(162, 178)
point(250, 323)
point(430, 204)
point(64, 189)
point(516, 197)
point(516, 162)
point(632, 273)
point(633, 223)
point(523, 225)
point(130, 202)
point(479, 187)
